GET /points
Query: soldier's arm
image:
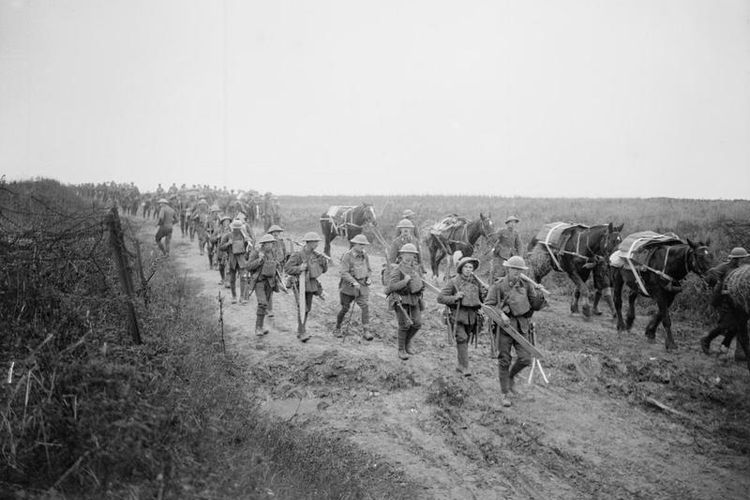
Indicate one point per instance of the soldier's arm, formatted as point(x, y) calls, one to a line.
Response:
point(395, 283)
point(255, 260)
point(292, 265)
point(345, 266)
point(447, 296)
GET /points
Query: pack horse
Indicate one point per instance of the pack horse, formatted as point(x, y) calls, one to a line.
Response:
point(346, 222)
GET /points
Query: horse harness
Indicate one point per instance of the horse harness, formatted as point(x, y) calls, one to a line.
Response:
point(661, 273)
point(347, 221)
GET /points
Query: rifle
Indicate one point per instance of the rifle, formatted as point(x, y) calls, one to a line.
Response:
point(494, 316)
point(400, 307)
point(536, 285)
point(280, 281)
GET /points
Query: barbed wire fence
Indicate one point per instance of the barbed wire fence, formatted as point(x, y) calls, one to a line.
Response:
point(67, 296)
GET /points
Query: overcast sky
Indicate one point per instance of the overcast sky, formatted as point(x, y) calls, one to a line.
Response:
point(531, 98)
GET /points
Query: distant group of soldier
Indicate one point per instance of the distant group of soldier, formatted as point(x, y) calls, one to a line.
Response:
point(262, 265)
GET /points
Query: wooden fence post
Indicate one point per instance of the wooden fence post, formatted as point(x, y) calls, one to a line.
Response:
point(123, 266)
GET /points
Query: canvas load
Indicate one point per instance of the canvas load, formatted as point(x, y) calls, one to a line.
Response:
point(448, 223)
point(552, 235)
point(637, 247)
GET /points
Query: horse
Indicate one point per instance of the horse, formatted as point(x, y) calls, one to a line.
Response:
point(346, 222)
point(460, 237)
point(665, 267)
point(737, 286)
point(586, 249)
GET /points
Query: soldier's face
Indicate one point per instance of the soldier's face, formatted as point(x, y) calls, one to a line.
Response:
point(358, 248)
point(467, 270)
point(276, 234)
point(311, 245)
point(513, 273)
point(408, 258)
point(405, 231)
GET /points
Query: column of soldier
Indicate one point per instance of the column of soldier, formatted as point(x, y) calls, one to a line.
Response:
point(510, 300)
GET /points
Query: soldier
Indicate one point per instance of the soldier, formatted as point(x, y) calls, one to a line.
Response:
point(221, 254)
point(515, 300)
point(404, 290)
point(507, 244)
point(464, 295)
point(236, 245)
point(167, 218)
point(313, 264)
point(280, 254)
point(264, 266)
point(728, 319)
point(355, 284)
point(212, 234)
point(411, 216)
point(405, 229)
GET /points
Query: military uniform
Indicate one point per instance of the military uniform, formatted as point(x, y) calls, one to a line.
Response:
point(464, 311)
point(507, 245)
point(316, 265)
point(264, 268)
point(518, 300)
point(404, 289)
point(167, 218)
point(355, 269)
point(236, 245)
point(730, 319)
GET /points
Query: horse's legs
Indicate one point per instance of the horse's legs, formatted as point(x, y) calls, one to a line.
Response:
point(632, 295)
point(742, 337)
point(619, 282)
point(574, 301)
point(327, 249)
point(664, 303)
point(582, 292)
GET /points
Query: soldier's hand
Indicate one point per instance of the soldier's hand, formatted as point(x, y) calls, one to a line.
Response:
point(459, 295)
point(303, 267)
point(357, 285)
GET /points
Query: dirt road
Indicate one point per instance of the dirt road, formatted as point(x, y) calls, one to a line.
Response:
point(590, 433)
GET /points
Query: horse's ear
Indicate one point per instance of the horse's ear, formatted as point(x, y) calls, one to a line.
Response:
point(689, 242)
point(619, 229)
point(610, 228)
point(708, 241)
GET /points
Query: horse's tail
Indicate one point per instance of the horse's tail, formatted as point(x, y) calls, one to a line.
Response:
point(737, 285)
point(532, 244)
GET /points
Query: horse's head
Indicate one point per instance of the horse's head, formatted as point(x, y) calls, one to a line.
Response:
point(368, 214)
point(486, 226)
point(699, 257)
point(611, 239)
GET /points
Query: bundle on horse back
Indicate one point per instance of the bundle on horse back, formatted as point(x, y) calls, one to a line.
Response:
point(737, 286)
point(549, 243)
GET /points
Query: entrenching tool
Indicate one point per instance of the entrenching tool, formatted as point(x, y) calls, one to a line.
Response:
point(534, 361)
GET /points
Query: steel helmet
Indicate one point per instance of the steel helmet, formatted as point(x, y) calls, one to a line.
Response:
point(467, 260)
point(405, 223)
point(236, 224)
point(408, 213)
point(409, 248)
point(738, 253)
point(274, 228)
point(266, 238)
point(311, 236)
point(225, 217)
point(163, 200)
point(215, 208)
point(515, 262)
point(360, 239)
point(512, 218)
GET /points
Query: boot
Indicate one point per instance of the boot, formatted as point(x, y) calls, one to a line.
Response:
point(463, 359)
point(366, 334)
point(407, 344)
point(505, 386)
point(706, 345)
point(337, 332)
point(260, 330)
point(595, 306)
point(402, 354)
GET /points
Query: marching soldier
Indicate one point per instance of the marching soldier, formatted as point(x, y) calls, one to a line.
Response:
point(221, 254)
point(728, 321)
point(264, 268)
point(200, 219)
point(355, 284)
point(507, 245)
point(280, 254)
point(404, 290)
point(212, 234)
point(312, 264)
point(406, 234)
point(411, 217)
point(516, 300)
point(464, 295)
point(236, 245)
point(167, 217)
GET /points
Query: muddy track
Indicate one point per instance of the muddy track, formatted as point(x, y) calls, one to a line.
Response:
point(590, 433)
